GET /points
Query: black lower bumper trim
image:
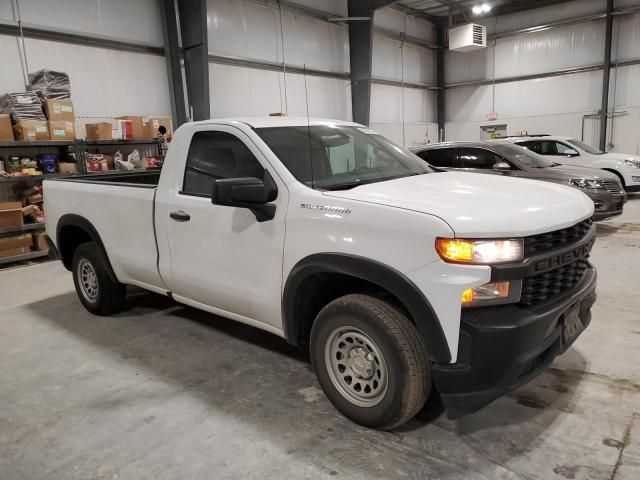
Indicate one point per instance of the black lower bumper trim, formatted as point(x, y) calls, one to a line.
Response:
point(632, 188)
point(504, 347)
point(53, 251)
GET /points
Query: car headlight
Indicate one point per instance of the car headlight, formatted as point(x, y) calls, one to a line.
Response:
point(632, 163)
point(460, 250)
point(582, 183)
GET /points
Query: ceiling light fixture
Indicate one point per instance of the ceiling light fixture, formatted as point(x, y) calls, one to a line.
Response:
point(480, 9)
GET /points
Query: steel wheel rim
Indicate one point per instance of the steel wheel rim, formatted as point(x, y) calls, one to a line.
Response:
point(356, 366)
point(88, 280)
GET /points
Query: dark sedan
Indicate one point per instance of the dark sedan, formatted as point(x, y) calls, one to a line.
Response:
point(505, 158)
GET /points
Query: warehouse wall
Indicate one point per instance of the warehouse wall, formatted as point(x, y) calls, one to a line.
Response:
point(404, 114)
point(555, 104)
point(251, 30)
point(104, 82)
point(320, 45)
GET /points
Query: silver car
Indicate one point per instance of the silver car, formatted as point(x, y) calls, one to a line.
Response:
point(506, 158)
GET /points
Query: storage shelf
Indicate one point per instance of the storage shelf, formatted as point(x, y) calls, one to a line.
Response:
point(23, 228)
point(40, 143)
point(23, 257)
point(149, 141)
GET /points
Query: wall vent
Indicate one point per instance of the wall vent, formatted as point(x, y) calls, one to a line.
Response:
point(468, 37)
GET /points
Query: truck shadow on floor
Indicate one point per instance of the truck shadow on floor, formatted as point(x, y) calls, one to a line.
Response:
point(257, 377)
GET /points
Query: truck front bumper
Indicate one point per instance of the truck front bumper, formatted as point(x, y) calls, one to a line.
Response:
point(504, 347)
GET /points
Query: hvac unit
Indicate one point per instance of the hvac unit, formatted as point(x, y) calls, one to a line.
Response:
point(468, 37)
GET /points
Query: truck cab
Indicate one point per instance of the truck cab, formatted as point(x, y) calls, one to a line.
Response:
point(398, 281)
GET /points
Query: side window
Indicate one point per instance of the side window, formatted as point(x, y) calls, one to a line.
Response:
point(533, 146)
point(548, 148)
point(478, 158)
point(441, 157)
point(215, 155)
point(564, 149)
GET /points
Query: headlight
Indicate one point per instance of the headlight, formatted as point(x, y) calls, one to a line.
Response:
point(492, 294)
point(632, 163)
point(582, 183)
point(460, 250)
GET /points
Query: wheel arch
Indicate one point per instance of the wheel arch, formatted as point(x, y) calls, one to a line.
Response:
point(74, 230)
point(617, 173)
point(302, 282)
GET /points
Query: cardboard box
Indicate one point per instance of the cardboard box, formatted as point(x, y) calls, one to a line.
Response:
point(14, 251)
point(61, 130)
point(138, 126)
point(31, 130)
point(59, 110)
point(11, 214)
point(151, 127)
point(66, 167)
point(122, 130)
point(15, 241)
point(40, 242)
point(6, 131)
point(99, 131)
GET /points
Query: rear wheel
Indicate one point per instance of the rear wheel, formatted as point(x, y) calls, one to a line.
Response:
point(370, 361)
point(97, 291)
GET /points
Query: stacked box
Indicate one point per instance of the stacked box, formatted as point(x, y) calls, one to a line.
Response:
point(6, 131)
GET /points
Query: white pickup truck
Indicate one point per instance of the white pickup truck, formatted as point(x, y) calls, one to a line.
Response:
point(399, 281)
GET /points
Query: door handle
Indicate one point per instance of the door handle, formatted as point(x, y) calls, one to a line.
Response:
point(180, 216)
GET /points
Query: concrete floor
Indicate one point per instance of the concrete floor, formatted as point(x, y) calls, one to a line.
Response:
point(163, 391)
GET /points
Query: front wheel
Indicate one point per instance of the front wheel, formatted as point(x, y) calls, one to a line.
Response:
point(98, 292)
point(370, 361)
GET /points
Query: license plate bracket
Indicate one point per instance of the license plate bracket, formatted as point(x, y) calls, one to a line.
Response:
point(572, 325)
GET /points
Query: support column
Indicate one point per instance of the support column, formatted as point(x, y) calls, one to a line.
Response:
point(172, 57)
point(195, 45)
point(360, 58)
point(441, 93)
point(606, 73)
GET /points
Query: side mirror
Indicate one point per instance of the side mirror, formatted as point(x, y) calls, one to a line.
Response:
point(571, 153)
point(248, 192)
point(502, 167)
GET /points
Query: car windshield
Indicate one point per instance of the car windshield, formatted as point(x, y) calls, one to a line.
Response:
point(335, 157)
point(523, 154)
point(585, 147)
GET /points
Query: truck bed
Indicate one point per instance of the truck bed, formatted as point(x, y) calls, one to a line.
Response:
point(120, 206)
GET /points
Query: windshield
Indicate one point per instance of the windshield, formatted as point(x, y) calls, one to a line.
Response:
point(333, 157)
point(585, 147)
point(523, 155)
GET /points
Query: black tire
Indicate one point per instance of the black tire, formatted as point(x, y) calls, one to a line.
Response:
point(108, 296)
point(404, 353)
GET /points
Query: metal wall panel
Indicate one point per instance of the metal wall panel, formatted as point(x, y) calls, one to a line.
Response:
point(11, 79)
point(395, 20)
point(127, 20)
point(246, 29)
point(387, 114)
point(556, 49)
point(238, 91)
point(624, 87)
point(337, 7)
point(419, 62)
point(626, 37)
point(103, 82)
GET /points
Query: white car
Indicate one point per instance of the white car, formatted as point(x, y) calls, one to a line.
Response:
point(571, 151)
point(398, 280)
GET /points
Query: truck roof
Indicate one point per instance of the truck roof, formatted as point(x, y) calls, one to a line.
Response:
point(284, 121)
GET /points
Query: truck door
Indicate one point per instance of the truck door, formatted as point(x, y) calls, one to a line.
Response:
point(222, 257)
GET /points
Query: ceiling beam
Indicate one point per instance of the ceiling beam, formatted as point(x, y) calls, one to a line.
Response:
point(515, 7)
point(434, 19)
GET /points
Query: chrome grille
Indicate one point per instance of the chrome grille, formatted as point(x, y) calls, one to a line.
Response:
point(556, 239)
point(546, 285)
point(612, 186)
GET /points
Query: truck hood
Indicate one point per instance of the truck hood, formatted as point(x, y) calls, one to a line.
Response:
point(480, 205)
point(567, 172)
